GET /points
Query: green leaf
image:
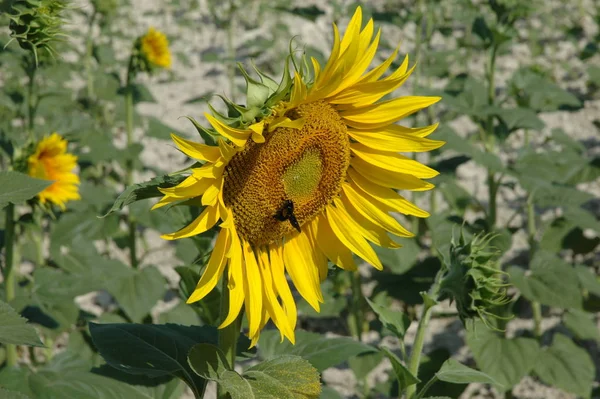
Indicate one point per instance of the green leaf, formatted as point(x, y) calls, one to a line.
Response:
point(320, 351)
point(588, 280)
point(14, 328)
point(6, 394)
point(505, 360)
point(138, 290)
point(457, 373)
point(152, 350)
point(141, 191)
point(140, 93)
point(395, 321)
point(403, 375)
point(551, 282)
point(582, 324)
point(19, 187)
point(462, 146)
point(285, 376)
point(208, 361)
point(235, 385)
point(399, 260)
point(520, 118)
point(330, 393)
point(159, 130)
point(566, 366)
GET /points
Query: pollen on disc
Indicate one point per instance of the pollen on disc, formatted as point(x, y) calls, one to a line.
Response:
point(306, 166)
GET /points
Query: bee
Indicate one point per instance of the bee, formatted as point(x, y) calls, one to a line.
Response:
point(286, 212)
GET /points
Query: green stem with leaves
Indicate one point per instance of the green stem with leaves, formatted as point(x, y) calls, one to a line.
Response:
point(356, 307)
point(493, 184)
point(229, 335)
point(31, 101)
point(536, 307)
point(131, 224)
point(9, 273)
point(417, 349)
point(89, 48)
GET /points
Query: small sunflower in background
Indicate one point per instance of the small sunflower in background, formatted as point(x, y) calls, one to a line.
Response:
point(51, 161)
point(305, 174)
point(154, 49)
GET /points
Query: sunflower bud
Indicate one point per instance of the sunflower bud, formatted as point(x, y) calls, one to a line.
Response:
point(36, 24)
point(473, 280)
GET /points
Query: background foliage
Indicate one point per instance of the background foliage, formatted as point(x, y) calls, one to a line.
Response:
point(520, 115)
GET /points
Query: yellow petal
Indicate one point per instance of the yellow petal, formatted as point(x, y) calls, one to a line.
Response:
point(298, 91)
point(252, 290)
point(385, 197)
point(282, 287)
point(345, 229)
point(333, 248)
point(389, 179)
point(236, 136)
point(270, 298)
point(210, 196)
point(352, 30)
point(207, 219)
point(369, 230)
point(392, 161)
point(325, 75)
point(386, 112)
point(166, 200)
point(214, 268)
point(377, 72)
point(196, 189)
point(300, 267)
point(387, 140)
point(319, 257)
point(235, 279)
point(194, 150)
point(369, 209)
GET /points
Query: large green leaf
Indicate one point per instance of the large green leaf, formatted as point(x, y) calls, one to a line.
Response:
point(152, 350)
point(6, 394)
point(141, 191)
point(14, 328)
point(403, 375)
point(566, 366)
point(138, 290)
point(457, 373)
point(18, 187)
point(320, 351)
point(505, 360)
point(551, 282)
point(582, 324)
point(395, 321)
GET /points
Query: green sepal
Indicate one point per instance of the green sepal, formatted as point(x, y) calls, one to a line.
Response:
point(207, 135)
point(266, 80)
point(256, 92)
point(283, 91)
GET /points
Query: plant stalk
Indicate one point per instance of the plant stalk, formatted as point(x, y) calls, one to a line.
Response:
point(131, 224)
point(357, 304)
point(9, 273)
point(228, 336)
point(489, 141)
point(31, 103)
point(415, 356)
point(536, 307)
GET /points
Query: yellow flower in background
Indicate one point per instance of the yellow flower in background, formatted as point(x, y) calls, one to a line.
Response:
point(311, 181)
point(155, 47)
point(50, 161)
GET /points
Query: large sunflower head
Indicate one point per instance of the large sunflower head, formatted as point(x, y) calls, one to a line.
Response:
point(303, 175)
point(51, 161)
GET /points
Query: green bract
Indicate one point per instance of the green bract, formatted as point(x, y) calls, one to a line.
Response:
point(36, 24)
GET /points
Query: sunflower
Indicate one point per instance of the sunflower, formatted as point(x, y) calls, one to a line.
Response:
point(50, 161)
point(304, 177)
point(155, 48)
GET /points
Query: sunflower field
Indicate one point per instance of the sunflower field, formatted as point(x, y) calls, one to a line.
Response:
point(299, 199)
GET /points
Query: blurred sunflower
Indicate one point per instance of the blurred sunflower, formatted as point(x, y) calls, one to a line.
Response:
point(155, 48)
point(50, 161)
point(305, 175)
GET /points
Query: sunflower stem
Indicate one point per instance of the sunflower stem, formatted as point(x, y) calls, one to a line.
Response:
point(415, 356)
point(228, 336)
point(357, 305)
point(9, 273)
point(536, 307)
point(31, 103)
point(89, 47)
point(131, 224)
point(489, 140)
point(231, 50)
